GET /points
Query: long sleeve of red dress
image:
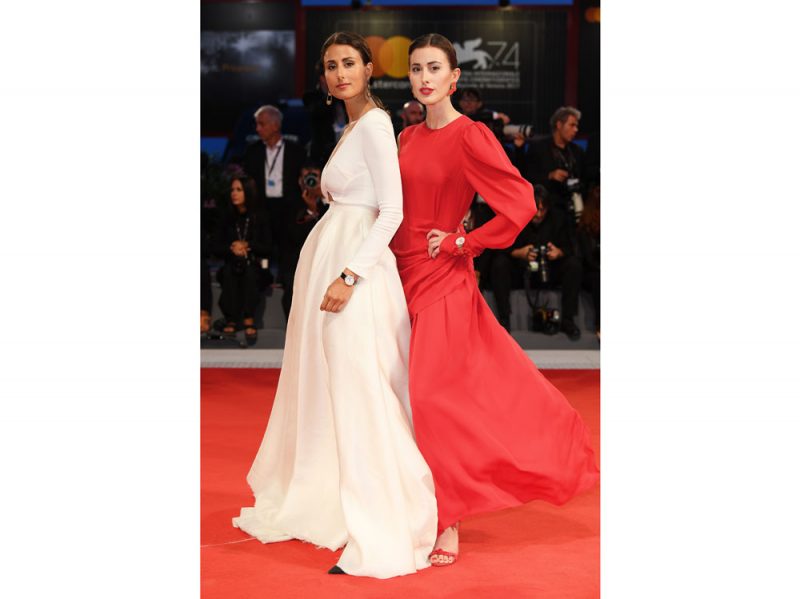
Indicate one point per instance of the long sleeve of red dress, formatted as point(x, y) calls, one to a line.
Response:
point(490, 173)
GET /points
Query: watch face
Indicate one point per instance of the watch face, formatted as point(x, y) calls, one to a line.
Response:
point(349, 280)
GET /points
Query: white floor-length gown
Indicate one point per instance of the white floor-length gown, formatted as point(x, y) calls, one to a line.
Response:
point(338, 465)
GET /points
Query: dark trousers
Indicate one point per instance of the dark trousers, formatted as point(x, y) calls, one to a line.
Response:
point(284, 255)
point(506, 273)
point(287, 265)
point(239, 295)
point(278, 211)
point(501, 275)
point(591, 283)
point(565, 273)
point(206, 301)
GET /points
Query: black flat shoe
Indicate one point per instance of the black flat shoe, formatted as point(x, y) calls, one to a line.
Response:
point(336, 570)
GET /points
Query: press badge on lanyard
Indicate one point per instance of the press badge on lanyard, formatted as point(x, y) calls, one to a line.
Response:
point(270, 181)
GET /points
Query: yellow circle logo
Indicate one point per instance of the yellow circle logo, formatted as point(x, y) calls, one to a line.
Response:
point(389, 56)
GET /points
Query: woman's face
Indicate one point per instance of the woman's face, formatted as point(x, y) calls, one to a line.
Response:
point(345, 72)
point(430, 75)
point(237, 193)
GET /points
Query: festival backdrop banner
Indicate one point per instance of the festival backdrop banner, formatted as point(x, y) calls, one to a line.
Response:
point(516, 59)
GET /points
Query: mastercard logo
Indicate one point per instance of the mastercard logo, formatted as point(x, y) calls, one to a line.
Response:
point(389, 56)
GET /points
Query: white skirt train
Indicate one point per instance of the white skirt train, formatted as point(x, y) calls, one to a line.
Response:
point(338, 465)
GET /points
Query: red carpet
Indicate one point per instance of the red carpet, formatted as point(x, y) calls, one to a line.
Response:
point(537, 550)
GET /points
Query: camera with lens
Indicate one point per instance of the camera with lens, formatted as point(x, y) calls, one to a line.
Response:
point(311, 180)
point(575, 203)
point(487, 118)
point(540, 265)
point(511, 130)
point(546, 320)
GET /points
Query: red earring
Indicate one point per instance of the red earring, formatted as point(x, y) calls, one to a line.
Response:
point(452, 89)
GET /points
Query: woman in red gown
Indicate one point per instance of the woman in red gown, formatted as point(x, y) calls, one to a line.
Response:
point(494, 431)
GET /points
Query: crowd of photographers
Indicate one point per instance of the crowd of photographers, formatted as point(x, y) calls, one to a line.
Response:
point(268, 200)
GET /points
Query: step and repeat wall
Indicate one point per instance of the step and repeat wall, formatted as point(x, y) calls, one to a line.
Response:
point(516, 59)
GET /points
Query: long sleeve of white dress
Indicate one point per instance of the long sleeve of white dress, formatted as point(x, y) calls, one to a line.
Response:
point(365, 171)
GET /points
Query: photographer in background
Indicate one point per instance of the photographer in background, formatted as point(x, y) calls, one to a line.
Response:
point(243, 239)
point(558, 266)
point(556, 162)
point(499, 123)
point(472, 106)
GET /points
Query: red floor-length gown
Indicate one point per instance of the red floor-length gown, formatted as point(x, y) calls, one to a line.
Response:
point(494, 431)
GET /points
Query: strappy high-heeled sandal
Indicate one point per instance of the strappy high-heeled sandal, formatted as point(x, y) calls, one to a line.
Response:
point(441, 553)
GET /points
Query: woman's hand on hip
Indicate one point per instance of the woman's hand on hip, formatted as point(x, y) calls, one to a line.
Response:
point(336, 297)
point(435, 238)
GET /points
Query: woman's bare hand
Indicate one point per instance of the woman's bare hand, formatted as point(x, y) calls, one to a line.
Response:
point(336, 297)
point(435, 238)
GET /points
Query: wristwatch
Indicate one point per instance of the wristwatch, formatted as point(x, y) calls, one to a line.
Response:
point(349, 280)
point(460, 241)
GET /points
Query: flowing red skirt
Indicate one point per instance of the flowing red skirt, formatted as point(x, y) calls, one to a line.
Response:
point(494, 431)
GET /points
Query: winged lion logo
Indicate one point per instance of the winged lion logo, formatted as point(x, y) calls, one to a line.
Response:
point(469, 52)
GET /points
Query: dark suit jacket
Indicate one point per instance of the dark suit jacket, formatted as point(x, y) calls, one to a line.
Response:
point(293, 158)
point(543, 157)
point(282, 214)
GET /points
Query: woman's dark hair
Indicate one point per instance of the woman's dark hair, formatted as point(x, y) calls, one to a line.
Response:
point(434, 40)
point(354, 40)
point(250, 193)
point(541, 196)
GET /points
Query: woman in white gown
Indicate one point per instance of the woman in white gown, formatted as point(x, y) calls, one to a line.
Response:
point(338, 465)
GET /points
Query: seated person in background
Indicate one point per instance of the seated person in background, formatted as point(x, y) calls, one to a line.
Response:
point(243, 239)
point(588, 238)
point(556, 162)
point(507, 267)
